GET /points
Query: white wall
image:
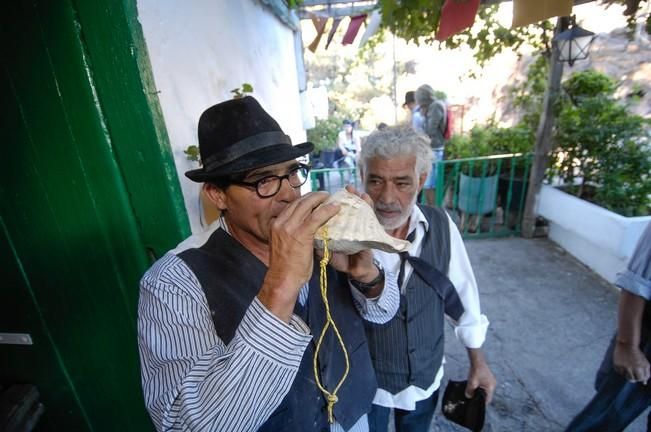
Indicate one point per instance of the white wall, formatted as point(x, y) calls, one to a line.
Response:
point(601, 239)
point(202, 49)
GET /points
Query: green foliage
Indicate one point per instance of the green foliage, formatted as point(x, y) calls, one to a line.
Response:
point(490, 140)
point(589, 84)
point(412, 19)
point(601, 148)
point(488, 37)
point(418, 21)
point(242, 91)
point(626, 179)
point(529, 94)
point(324, 134)
point(517, 139)
point(487, 141)
point(477, 143)
point(192, 153)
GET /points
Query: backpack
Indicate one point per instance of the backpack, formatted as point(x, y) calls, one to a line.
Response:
point(448, 121)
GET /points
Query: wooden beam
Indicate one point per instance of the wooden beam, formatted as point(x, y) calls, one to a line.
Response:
point(334, 12)
point(307, 3)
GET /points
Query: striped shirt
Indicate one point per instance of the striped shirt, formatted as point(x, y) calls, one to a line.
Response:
point(194, 381)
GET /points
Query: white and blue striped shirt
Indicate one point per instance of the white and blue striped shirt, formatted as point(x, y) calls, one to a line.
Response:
point(193, 381)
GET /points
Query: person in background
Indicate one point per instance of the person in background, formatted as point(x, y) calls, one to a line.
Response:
point(434, 112)
point(227, 320)
point(349, 143)
point(416, 119)
point(622, 383)
point(435, 279)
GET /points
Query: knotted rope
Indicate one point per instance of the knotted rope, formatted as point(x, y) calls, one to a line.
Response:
point(331, 398)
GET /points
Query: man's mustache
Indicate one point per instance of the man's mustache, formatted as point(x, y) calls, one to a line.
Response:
point(388, 207)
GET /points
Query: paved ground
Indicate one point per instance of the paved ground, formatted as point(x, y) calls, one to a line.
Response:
point(551, 320)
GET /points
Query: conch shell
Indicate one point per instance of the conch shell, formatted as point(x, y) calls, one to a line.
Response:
point(356, 228)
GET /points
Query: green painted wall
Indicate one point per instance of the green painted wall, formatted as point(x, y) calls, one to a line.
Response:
point(88, 197)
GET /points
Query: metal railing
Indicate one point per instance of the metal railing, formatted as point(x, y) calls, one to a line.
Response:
point(484, 196)
point(333, 179)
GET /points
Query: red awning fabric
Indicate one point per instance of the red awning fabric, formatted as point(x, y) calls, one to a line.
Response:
point(456, 15)
point(353, 29)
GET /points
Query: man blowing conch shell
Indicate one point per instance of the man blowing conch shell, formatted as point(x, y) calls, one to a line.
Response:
point(226, 321)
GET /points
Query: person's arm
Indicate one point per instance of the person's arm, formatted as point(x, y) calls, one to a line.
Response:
point(340, 143)
point(191, 379)
point(381, 303)
point(480, 375)
point(635, 282)
point(628, 360)
point(358, 142)
point(472, 325)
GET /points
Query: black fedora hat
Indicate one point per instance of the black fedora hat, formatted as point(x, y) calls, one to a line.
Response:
point(237, 136)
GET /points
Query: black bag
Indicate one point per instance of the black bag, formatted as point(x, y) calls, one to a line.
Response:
point(456, 407)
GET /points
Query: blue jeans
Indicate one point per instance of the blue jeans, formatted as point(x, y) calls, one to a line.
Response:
point(418, 420)
point(616, 404)
point(430, 182)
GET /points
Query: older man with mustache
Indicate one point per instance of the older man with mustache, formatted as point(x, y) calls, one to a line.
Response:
point(435, 279)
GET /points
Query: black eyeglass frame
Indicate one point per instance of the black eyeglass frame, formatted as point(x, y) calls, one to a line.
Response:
point(255, 185)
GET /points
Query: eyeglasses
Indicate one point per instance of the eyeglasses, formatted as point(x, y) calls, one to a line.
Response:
point(269, 186)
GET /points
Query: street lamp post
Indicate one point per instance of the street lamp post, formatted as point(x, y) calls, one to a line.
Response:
point(570, 44)
point(574, 43)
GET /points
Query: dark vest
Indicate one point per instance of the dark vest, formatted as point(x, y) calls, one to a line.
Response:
point(408, 350)
point(231, 277)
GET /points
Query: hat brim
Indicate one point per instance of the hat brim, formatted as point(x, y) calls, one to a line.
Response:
point(258, 159)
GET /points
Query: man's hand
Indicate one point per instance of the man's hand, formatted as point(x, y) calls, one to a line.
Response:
point(628, 360)
point(480, 375)
point(631, 363)
point(292, 252)
point(360, 265)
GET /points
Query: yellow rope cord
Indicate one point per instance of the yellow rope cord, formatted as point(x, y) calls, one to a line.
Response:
point(330, 397)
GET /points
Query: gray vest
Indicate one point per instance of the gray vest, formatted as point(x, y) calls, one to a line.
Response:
point(408, 350)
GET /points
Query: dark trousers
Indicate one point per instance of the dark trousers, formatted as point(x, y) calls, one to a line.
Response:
point(418, 420)
point(617, 402)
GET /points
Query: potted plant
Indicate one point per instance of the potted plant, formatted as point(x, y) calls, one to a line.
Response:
point(514, 172)
point(477, 185)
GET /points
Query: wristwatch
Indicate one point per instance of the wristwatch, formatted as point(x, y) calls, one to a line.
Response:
point(365, 287)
